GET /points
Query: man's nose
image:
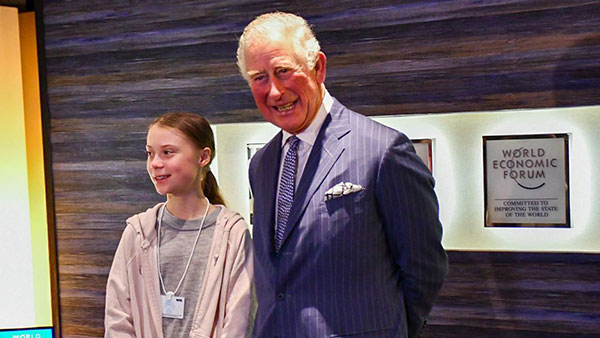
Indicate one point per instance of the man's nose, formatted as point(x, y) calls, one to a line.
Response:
point(276, 88)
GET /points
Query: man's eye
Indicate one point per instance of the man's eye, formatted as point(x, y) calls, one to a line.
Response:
point(258, 78)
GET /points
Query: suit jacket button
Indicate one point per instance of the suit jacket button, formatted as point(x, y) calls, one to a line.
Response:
point(280, 296)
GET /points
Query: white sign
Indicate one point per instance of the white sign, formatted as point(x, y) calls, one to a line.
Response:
point(526, 180)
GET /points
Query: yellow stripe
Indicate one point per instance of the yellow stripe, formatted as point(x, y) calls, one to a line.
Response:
point(35, 167)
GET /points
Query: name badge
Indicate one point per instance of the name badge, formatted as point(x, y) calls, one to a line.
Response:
point(172, 306)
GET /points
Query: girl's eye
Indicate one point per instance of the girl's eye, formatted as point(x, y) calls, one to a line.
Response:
point(167, 152)
point(148, 153)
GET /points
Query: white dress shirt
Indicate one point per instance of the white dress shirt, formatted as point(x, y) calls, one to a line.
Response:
point(307, 138)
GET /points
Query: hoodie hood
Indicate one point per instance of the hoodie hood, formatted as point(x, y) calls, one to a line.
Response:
point(144, 223)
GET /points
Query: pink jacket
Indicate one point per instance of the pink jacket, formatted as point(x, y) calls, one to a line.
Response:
point(224, 308)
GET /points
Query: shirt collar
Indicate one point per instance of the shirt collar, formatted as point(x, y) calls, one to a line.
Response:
point(309, 135)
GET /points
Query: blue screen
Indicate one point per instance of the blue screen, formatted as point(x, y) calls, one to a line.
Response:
point(28, 333)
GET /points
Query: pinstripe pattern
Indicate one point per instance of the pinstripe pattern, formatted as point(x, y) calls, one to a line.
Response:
point(368, 264)
point(287, 184)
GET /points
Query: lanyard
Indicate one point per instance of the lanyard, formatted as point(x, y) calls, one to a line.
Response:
point(162, 283)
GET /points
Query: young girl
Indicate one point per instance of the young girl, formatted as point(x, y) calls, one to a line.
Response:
point(182, 268)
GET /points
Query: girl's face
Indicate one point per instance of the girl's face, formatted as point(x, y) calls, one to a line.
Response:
point(174, 163)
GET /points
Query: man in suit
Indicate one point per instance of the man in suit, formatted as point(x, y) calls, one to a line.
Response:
point(346, 230)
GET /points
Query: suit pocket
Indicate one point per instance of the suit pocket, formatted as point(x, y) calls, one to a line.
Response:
point(344, 216)
point(347, 204)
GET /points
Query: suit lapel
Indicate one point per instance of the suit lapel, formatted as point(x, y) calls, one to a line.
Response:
point(326, 151)
point(266, 188)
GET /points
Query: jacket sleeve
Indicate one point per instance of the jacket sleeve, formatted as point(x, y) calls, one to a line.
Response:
point(118, 320)
point(240, 304)
point(408, 206)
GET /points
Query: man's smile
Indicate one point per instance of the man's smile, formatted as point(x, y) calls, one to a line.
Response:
point(286, 107)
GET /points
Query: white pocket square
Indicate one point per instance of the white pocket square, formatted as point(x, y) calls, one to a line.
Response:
point(341, 189)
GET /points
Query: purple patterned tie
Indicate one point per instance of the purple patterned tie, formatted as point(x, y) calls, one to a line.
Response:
point(285, 196)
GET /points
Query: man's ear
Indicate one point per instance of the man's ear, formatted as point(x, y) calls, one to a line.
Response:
point(321, 67)
point(204, 158)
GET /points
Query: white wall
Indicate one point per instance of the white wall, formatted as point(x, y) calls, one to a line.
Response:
point(458, 170)
point(233, 160)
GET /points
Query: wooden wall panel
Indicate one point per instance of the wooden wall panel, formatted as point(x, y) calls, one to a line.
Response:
point(138, 59)
point(112, 66)
point(518, 295)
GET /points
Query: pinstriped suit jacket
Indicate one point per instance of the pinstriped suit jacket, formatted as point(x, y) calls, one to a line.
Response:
point(367, 264)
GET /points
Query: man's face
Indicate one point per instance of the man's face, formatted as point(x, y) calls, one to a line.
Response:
point(285, 91)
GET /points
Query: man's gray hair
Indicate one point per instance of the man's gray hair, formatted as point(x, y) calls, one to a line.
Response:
point(306, 46)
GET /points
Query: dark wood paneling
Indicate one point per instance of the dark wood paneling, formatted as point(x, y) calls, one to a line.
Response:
point(528, 295)
point(138, 59)
point(112, 66)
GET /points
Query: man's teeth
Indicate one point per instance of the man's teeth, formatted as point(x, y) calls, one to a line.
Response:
point(285, 107)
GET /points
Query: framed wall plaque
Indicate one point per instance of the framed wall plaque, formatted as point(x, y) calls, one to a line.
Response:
point(424, 150)
point(251, 149)
point(526, 180)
